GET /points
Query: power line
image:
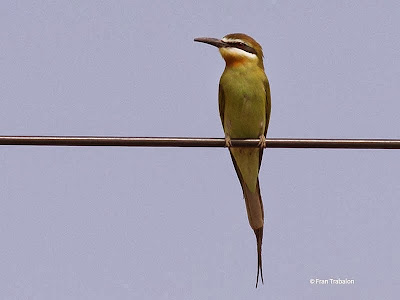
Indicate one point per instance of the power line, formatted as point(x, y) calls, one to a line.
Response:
point(196, 142)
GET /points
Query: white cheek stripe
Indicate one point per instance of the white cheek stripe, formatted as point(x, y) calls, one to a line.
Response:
point(238, 52)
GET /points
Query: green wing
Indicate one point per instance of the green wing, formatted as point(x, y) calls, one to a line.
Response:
point(221, 103)
point(267, 104)
point(267, 112)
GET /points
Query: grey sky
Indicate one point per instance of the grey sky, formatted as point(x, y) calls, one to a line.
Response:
point(150, 223)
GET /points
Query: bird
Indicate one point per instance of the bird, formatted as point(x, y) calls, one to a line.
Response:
point(244, 100)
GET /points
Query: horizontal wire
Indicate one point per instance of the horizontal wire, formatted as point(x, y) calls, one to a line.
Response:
point(197, 142)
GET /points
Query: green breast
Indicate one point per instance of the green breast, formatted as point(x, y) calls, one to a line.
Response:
point(244, 113)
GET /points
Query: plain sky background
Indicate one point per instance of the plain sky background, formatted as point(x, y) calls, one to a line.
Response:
point(170, 223)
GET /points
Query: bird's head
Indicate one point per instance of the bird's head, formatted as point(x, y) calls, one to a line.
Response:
point(237, 49)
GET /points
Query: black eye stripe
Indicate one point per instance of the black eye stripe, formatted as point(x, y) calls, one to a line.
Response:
point(242, 46)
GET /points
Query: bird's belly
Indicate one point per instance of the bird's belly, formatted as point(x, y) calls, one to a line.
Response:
point(244, 116)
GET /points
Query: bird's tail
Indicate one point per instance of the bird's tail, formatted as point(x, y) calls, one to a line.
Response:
point(255, 213)
point(259, 236)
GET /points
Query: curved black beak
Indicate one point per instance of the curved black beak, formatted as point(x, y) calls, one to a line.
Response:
point(211, 41)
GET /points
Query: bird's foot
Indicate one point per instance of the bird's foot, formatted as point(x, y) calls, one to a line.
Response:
point(228, 141)
point(263, 142)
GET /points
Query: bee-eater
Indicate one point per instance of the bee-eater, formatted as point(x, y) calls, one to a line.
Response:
point(245, 107)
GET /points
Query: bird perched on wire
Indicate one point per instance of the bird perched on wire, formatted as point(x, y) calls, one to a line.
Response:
point(245, 107)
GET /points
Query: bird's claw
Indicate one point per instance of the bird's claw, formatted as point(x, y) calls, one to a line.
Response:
point(263, 142)
point(228, 142)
